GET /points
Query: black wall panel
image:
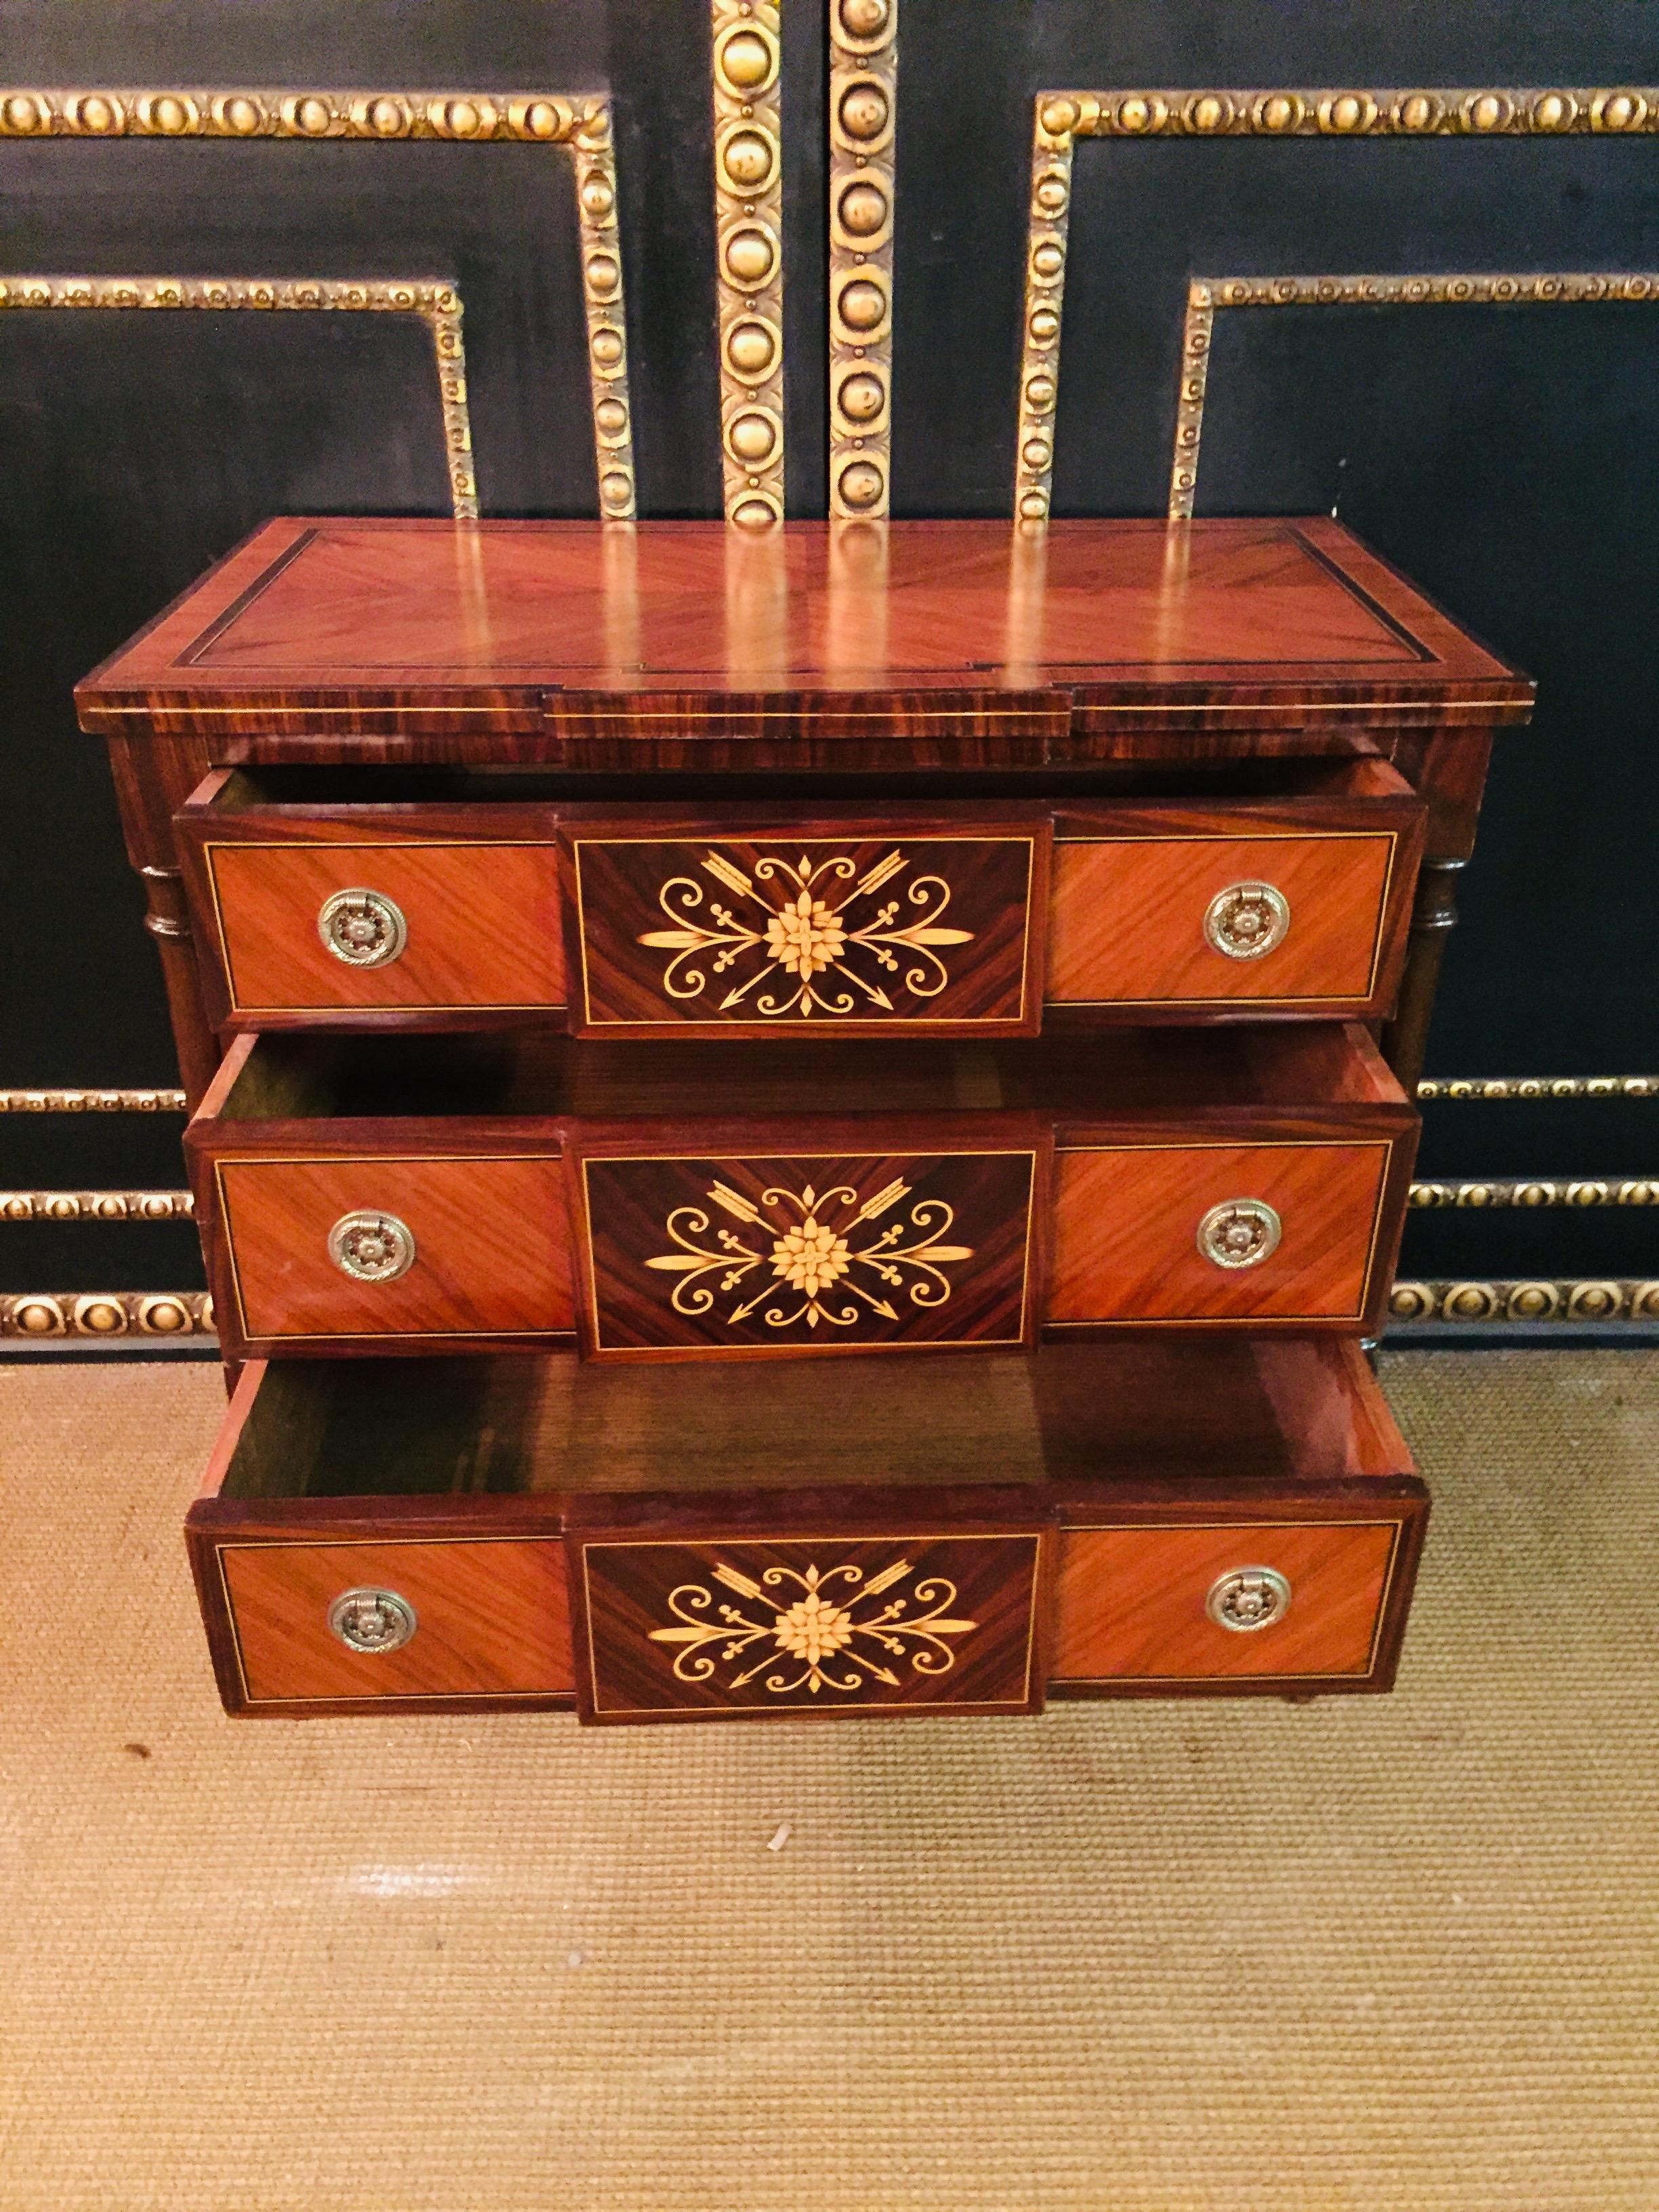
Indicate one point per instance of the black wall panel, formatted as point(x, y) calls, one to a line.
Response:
point(1506, 456)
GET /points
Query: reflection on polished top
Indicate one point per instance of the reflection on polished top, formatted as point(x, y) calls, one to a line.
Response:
point(402, 611)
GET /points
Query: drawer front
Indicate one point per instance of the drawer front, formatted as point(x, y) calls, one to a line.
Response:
point(1247, 1600)
point(1149, 921)
point(319, 1623)
point(451, 926)
point(1203, 1232)
point(486, 1252)
point(857, 933)
point(764, 1254)
point(917, 1623)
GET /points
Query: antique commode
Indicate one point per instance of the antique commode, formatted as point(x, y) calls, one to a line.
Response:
point(805, 1120)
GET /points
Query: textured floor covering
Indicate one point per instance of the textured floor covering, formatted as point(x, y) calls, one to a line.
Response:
point(1367, 1953)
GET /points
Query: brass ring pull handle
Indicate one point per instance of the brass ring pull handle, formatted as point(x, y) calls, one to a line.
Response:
point(372, 1247)
point(364, 928)
point(1240, 1232)
point(372, 1620)
point(1246, 920)
point(1248, 1598)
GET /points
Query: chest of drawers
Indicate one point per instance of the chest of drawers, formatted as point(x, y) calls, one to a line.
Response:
point(808, 1122)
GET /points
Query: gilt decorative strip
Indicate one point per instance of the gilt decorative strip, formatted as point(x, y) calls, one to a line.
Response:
point(1586, 1301)
point(1208, 295)
point(96, 1206)
point(1060, 119)
point(92, 1102)
point(863, 110)
point(1540, 1086)
point(749, 254)
point(433, 300)
point(1536, 1191)
point(579, 123)
point(44, 1315)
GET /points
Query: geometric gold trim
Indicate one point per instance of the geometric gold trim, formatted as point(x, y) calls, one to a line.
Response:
point(863, 109)
point(96, 1206)
point(1540, 1086)
point(42, 1316)
point(1060, 118)
point(434, 300)
point(579, 123)
point(1206, 296)
point(1525, 1300)
point(749, 257)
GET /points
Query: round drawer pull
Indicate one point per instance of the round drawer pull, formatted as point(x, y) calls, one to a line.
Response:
point(1248, 1598)
point(1240, 1232)
point(1246, 920)
point(373, 1619)
point(364, 928)
point(371, 1248)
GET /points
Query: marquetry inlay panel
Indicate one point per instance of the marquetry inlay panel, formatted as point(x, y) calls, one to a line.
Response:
point(744, 937)
point(863, 107)
point(801, 1253)
point(847, 1625)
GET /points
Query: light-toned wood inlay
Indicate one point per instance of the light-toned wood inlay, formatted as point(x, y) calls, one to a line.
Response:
point(492, 1619)
point(1126, 1229)
point(491, 1246)
point(1127, 917)
point(1130, 1601)
point(483, 925)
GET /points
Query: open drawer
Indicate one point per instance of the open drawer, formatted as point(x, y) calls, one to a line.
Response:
point(457, 1193)
point(392, 899)
point(1139, 1517)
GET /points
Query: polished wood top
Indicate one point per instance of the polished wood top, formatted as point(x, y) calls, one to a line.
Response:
point(533, 620)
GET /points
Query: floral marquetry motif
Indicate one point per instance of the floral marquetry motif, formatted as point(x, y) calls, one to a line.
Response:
point(839, 1625)
point(850, 933)
point(793, 1255)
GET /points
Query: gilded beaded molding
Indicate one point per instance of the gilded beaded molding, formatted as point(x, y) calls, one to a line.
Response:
point(1208, 295)
point(41, 1315)
point(434, 300)
point(748, 258)
point(1538, 1190)
point(96, 1206)
point(863, 110)
point(92, 1102)
point(1060, 119)
point(1540, 1086)
point(1594, 1300)
point(579, 123)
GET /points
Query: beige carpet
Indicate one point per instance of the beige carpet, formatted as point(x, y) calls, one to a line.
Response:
point(1371, 1953)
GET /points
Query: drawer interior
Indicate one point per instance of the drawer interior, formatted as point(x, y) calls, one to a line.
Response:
point(283, 1076)
point(1354, 768)
point(1079, 1419)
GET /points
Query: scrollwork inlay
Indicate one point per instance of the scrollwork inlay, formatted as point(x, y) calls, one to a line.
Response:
point(811, 1267)
point(816, 1638)
point(809, 952)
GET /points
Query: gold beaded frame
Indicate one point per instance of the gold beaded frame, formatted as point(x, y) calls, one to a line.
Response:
point(748, 258)
point(577, 123)
point(863, 111)
point(1208, 295)
point(432, 301)
point(1060, 119)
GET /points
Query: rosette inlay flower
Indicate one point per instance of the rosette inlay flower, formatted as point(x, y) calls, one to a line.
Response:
point(810, 1257)
point(812, 1628)
point(805, 938)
